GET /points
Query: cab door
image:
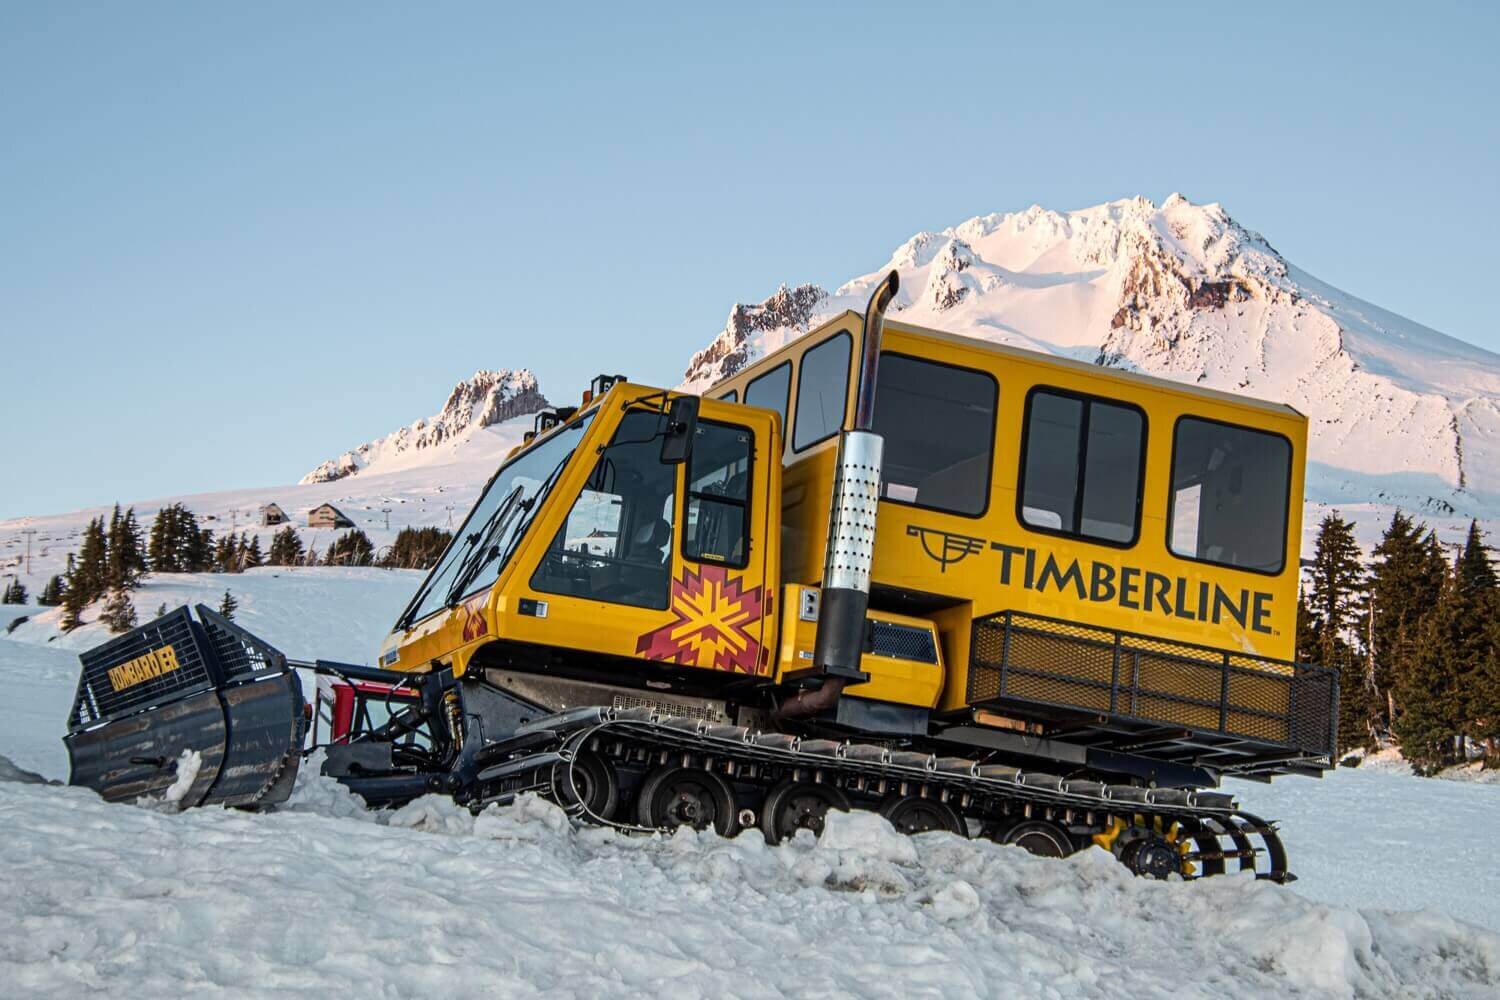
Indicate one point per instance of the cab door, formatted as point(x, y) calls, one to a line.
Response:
point(666, 562)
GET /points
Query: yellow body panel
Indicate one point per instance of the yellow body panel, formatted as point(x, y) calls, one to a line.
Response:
point(718, 617)
point(992, 562)
point(903, 682)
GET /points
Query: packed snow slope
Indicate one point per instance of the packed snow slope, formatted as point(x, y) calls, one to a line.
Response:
point(1400, 414)
point(1399, 897)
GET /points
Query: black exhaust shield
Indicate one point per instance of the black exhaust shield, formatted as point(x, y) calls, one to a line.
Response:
point(174, 686)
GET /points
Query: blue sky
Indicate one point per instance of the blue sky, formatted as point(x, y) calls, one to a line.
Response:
point(236, 241)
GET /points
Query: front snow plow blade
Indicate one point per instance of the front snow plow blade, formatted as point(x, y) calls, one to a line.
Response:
point(179, 685)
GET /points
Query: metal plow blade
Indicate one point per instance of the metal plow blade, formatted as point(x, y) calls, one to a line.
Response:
point(178, 685)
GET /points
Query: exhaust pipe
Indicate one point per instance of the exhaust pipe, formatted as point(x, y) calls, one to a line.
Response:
point(851, 520)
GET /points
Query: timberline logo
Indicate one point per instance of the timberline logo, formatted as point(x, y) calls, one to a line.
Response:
point(143, 668)
point(1103, 583)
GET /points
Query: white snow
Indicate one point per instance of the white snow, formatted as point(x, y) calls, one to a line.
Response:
point(1398, 885)
point(135, 902)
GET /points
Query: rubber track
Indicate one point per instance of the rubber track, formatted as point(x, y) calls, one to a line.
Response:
point(546, 742)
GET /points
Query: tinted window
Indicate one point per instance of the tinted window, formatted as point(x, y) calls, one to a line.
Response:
point(1229, 495)
point(616, 544)
point(771, 390)
point(718, 496)
point(489, 534)
point(822, 387)
point(732, 396)
point(939, 428)
point(1081, 474)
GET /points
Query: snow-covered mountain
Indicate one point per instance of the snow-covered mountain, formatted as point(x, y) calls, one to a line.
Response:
point(1401, 415)
point(486, 399)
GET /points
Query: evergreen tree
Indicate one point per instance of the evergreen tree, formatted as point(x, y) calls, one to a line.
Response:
point(352, 548)
point(1485, 692)
point(72, 614)
point(228, 605)
point(1336, 597)
point(174, 539)
point(15, 593)
point(1440, 656)
point(200, 551)
point(250, 554)
point(90, 575)
point(115, 572)
point(161, 610)
point(1474, 572)
point(286, 548)
point(118, 612)
point(52, 593)
point(417, 548)
point(226, 555)
point(1409, 570)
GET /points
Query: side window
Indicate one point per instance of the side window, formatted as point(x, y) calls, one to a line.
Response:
point(822, 391)
point(718, 496)
point(616, 544)
point(1081, 467)
point(1229, 495)
point(938, 422)
point(772, 390)
point(732, 396)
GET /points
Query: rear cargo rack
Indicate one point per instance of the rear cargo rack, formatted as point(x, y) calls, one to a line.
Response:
point(1179, 701)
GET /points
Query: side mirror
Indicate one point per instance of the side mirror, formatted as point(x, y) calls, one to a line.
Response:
point(682, 425)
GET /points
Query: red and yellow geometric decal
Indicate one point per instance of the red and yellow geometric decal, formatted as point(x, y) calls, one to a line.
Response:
point(475, 623)
point(713, 616)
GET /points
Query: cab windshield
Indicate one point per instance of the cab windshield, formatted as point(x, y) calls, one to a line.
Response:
point(484, 544)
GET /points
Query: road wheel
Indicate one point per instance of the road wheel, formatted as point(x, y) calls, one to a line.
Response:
point(687, 796)
point(910, 814)
point(793, 805)
point(1045, 840)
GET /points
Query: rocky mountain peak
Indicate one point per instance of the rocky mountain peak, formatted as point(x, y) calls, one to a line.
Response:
point(487, 398)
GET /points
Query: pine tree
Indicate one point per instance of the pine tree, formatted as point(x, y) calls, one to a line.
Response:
point(1485, 691)
point(52, 593)
point(118, 612)
point(417, 548)
point(115, 571)
point(1335, 595)
point(161, 610)
point(200, 550)
point(226, 555)
point(352, 548)
point(250, 554)
point(228, 606)
point(286, 548)
point(72, 614)
point(90, 575)
point(1409, 570)
point(15, 593)
point(174, 537)
point(1438, 655)
point(1475, 573)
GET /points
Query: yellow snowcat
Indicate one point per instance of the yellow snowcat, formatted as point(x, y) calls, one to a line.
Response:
point(974, 588)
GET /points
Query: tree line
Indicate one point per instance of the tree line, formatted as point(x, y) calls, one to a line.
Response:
point(113, 558)
point(1414, 637)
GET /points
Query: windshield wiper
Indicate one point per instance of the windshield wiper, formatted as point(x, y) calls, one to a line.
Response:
point(484, 550)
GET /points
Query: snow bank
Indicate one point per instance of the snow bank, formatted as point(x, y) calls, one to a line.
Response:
point(518, 903)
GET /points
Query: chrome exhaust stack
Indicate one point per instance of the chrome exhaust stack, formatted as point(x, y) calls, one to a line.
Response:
point(841, 637)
